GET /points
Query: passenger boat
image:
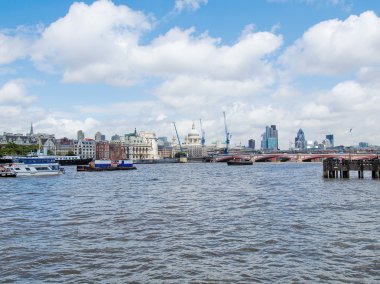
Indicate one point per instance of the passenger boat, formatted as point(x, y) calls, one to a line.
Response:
point(107, 165)
point(239, 162)
point(35, 166)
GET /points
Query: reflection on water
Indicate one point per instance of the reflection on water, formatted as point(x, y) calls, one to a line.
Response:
point(178, 223)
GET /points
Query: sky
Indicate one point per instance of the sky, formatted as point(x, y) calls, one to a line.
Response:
point(113, 66)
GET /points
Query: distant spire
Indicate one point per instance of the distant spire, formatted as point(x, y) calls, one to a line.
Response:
point(135, 132)
point(31, 129)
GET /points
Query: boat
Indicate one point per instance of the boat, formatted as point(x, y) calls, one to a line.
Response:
point(107, 165)
point(35, 166)
point(239, 162)
point(5, 172)
point(72, 160)
point(61, 160)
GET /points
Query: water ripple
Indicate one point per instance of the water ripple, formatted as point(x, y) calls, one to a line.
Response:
point(191, 223)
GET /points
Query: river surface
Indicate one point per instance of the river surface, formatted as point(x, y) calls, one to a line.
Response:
point(191, 223)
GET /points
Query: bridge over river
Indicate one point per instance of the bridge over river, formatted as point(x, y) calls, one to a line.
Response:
point(298, 157)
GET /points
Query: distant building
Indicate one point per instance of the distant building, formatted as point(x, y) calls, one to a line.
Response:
point(98, 136)
point(18, 139)
point(64, 146)
point(300, 140)
point(330, 138)
point(102, 150)
point(117, 152)
point(115, 138)
point(165, 151)
point(363, 145)
point(270, 138)
point(85, 148)
point(251, 144)
point(80, 135)
point(192, 144)
point(163, 141)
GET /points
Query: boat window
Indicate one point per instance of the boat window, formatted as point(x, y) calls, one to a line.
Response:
point(17, 169)
point(27, 169)
point(42, 168)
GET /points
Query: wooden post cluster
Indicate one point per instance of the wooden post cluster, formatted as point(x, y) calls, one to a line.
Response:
point(335, 168)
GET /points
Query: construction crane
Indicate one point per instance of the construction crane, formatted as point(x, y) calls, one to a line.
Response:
point(179, 141)
point(203, 140)
point(227, 134)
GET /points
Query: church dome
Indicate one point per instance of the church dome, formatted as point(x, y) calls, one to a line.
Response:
point(193, 132)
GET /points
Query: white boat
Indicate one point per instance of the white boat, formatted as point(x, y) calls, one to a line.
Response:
point(33, 166)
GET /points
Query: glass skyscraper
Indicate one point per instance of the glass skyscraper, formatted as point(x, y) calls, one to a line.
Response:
point(270, 138)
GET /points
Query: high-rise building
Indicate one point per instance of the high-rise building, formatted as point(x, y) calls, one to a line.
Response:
point(270, 138)
point(300, 140)
point(251, 144)
point(330, 138)
point(98, 136)
point(80, 135)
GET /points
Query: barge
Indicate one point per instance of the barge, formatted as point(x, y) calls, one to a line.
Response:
point(106, 165)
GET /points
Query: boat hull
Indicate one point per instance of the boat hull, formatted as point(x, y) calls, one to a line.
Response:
point(239, 163)
point(103, 169)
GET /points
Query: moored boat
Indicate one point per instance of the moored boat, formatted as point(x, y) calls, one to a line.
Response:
point(239, 162)
point(106, 165)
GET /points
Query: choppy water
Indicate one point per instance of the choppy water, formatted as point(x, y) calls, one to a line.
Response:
point(186, 223)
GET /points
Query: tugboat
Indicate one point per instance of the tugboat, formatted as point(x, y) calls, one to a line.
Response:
point(106, 165)
point(239, 161)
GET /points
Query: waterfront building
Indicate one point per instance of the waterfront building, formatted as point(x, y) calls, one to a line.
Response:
point(117, 151)
point(18, 139)
point(165, 151)
point(270, 138)
point(80, 135)
point(330, 138)
point(136, 146)
point(48, 146)
point(85, 148)
point(102, 150)
point(192, 144)
point(152, 140)
point(251, 144)
point(64, 146)
point(300, 140)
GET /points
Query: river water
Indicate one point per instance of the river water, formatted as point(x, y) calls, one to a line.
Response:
point(191, 223)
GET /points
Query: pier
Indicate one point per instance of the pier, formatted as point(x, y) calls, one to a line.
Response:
point(340, 168)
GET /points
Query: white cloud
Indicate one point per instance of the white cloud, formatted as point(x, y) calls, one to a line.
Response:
point(89, 40)
point(336, 47)
point(193, 5)
point(11, 48)
point(13, 92)
point(101, 43)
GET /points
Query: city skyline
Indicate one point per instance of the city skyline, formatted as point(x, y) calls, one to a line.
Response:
point(111, 66)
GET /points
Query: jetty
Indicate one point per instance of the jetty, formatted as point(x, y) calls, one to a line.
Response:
point(341, 168)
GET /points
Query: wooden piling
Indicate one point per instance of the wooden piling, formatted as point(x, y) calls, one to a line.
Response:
point(335, 168)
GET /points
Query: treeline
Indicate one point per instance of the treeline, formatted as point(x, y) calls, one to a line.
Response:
point(14, 149)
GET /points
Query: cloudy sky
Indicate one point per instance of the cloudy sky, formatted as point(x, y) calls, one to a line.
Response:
point(111, 66)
